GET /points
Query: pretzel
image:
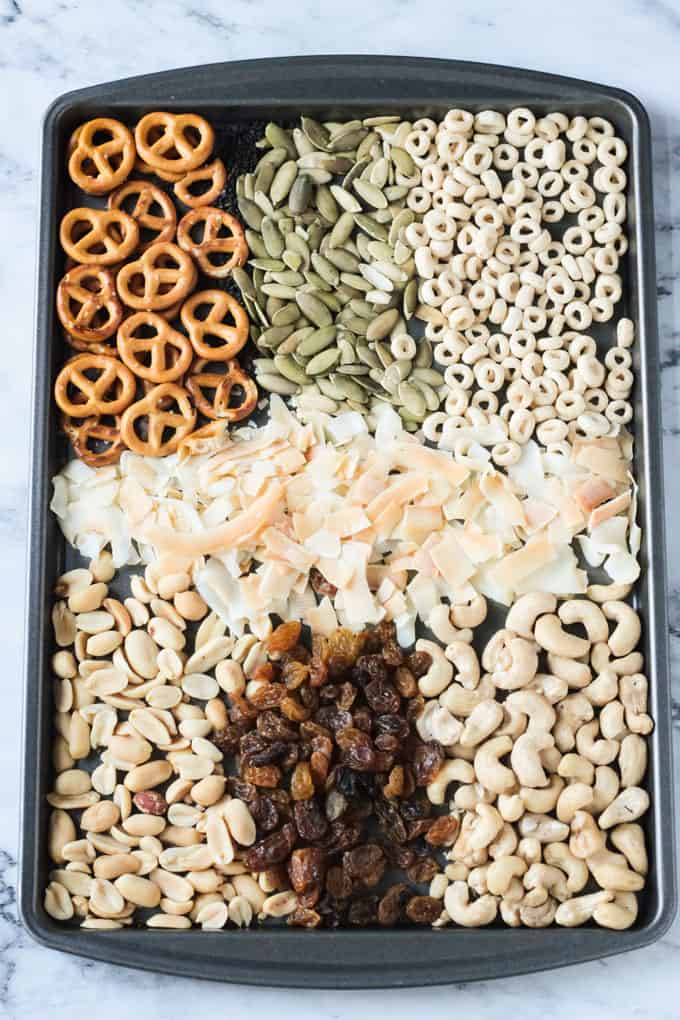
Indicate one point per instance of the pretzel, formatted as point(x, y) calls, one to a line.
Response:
point(152, 282)
point(80, 396)
point(174, 142)
point(87, 304)
point(220, 306)
point(83, 431)
point(165, 175)
point(159, 418)
point(162, 355)
point(98, 237)
point(107, 347)
point(214, 172)
point(213, 243)
point(223, 384)
point(139, 198)
point(100, 166)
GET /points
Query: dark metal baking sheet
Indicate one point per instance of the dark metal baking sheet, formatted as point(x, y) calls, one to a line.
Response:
point(234, 96)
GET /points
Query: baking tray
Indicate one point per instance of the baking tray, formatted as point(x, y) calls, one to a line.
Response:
point(235, 96)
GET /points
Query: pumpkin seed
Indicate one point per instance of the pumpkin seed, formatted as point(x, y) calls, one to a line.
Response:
point(355, 172)
point(264, 365)
point(298, 245)
point(286, 316)
point(349, 389)
point(255, 243)
point(290, 344)
point(316, 341)
point(403, 161)
point(300, 193)
point(410, 300)
point(279, 139)
point(371, 194)
point(286, 366)
point(371, 227)
point(314, 309)
point(382, 324)
point(301, 142)
point(365, 146)
point(361, 308)
point(264, 177)
point(323, 362)
point(277, 384)
point(292, 260)
point(355, 281)
point(249, 186)
point(400, 222)
point(428, 376)
point(326, 270)
point(272, 238)
point(356, 325)
point(377, 279)
point(389, 118)
point(315, 235)
point(243, 282)
point(431, 396)
point(280, 291)
point(288, 277)
point(330, 301)
point(283, 181)
point(272, 337)
point(315, 132)
point(353, 369)
point(329, 388)
point(316, 282)
point(274, 157)
point(395, 192)
point(342, 259)
point(412, 398)
point(342, 229)
point(345, 199)
point(262, 202)
point(326, 204)
point(268, 265)
point(424, 357)
point(369, 357)
point(251, 213)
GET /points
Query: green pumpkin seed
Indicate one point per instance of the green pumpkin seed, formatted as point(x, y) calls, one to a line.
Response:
point(279, 139)
point(367, 356)
point(356, 325)
point(275, 157)
point(380, 251)
point(402, 254)
point(353, 280)
point(382, 324)
point(353, 369)
point(275, 335)
point(264, 365)
point(326, 270)
point(291, 343)
point(314, 309)
point(369, 226)
point(289, 369)
point(345, 199)
point(255, 242)
point(371, 194)
point(330, 300)
point(423, 358)
point(409, 416)
point(323, 362)
point(292, 260)
point(243, 282)
point(326, 204)
point(272, 238)
point(387, 382)
point(431, 396)
point(316, 234)
point(298, 246)
point(262, 202)
point(283, 181)
point(300, 194)
point(412, 399)
point(384, 353)
point(251, 213)
point(392, 272)
point(361, 308)
point(329, 389)
point(400, 222)
point(302, 142)
point(395, 192)
point(349, 389)
point(316, 282)
point(377, 279)
point(342, 229)
point(268, 265)
point(364, 148)
point(277, 384)
point(348, 139)
point(355, 172)
point(410, 301)
point(279, 290)
point(288, 278)
point(403, 161)
point(286, 316)
point(342, 260)
point(317, 341)
point(387, 118)
point(264, 177)
point(347, 356)
point(427, 376)
point(249, 186)
point(315, 132)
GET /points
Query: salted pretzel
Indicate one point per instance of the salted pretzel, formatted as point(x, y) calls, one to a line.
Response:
point(221, 235)
point(88, 305)
point(215, 325)
point(161, 276)
point(213, 173)
point(152, 349)
point(159, 418)
point(225, 403)
point(165, 175)
point(139, 199)
point(91, 384)
point(98, 237)
point(107, 347)
point(82, 432)
point(175, 142)
point(97, 164)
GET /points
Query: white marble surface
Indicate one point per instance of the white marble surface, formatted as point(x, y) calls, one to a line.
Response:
point(50, 46)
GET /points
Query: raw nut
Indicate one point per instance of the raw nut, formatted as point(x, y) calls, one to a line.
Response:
point(100, 817)
point(142, 653)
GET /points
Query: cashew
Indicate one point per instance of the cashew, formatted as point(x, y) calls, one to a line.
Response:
point(458, 751)
point(477, 880)
point(464, 658)
point(511, 806)
point(612, 721)
point(457, 872)
point(581, 908)
point(632, 760)
point(633, 693)
point(510, 913)
point(516, 665)
point(545, 876)
point(494, 647)
point(481, 723)
point(523, 614)
point(543, 828)
point(452, 771)
point(439, 622)
point(505, 842)
point(572, 712)
point(588, 615)
point(529, 849)
point(627, 807)
point(469, 915)
point(619, 914)
point(552, 688)
point(629, 838)
point(461, 702)
point(611, 871)
point(626, 634)
point(514, 722)
point(573, 766)
point(467, 797)
point(525, 760)
point(489, 770)
point(470, 614)
point(572, 799)
point(577, 674)
point(550, 759)
point(536, 706)
point(539, 916)
point(604, 592)
point(605, 789)
point(437, 723)
point(603, 689)
point(440, 673)
point(515, 892)
point(600, 752)
point(539, 802)
point(501, 873)
point(485, 826)
point(586, 839)
point(549, 634)
point(576, 870)
point(600, 659)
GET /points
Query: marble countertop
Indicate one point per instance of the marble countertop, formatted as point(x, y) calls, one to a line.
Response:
point(51, 46)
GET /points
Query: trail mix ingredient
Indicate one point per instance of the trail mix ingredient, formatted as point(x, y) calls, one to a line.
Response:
point(138, 382)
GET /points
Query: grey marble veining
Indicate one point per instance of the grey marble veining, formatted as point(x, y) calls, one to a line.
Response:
point(50, 46)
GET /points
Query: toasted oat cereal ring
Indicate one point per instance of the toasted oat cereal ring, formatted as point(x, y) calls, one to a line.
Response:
point(92, 384)
point(225, 392)
point(152, 349)
point(161, 276)
point(155, 425)
point(152, 210)
point(213, 175)
point(164, 175)
point(215, 238)
point(101, 155)
point(87, 304)
point(206, 317)
point(94, 441)
point(98, 237)
point(174, 142)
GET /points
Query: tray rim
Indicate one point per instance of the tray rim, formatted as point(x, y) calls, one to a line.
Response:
point(545, 948)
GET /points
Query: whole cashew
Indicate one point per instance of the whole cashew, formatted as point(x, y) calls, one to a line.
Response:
point(440, 673)
point(626, 634)
point(550, 759)
point(573, 798)
point(501, 873)
point(481, 723)
point(505, 842)
point(577, 674)
point(525, 760)
point(588, 615)
point(470, 614)
point(605, 789)
point(633, 692)
point(576, 870)
point(549, 634)
point(470, 915)
point(439, 622)
point(632, 760)
point(445, 728)
point(452, 771)
point(539, 802)
point(543, 828)
point(468, 796)
point(586, 839)
point(574, 767)
point(514, 722)
point(629, 838)
point(539, 916)
point(552, 688)
point(600, 752)
point(511, 806)
point(515, 892)
point(529, 849)
point(611, 871)
point(605, 592)
point(494, 647)
point(490, 772)
point(477, 880)
point(619, 914)
point(545, 876)
point(516, 665)
point(627, 807)
point(536, 706)
point(581, 908)
point(510, 912)
point(486, 826)
point(613, 722)
point(523, 614)
point(603, 689)
point(461, 702)
point(464, 658)
point(600, 659)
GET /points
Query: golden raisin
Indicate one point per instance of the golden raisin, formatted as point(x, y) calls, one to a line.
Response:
point(301, 784)
point(395, 784)
point(284, 637)
point(293, 710)
point(268, 776)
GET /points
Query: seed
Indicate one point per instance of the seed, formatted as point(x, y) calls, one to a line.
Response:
point(411, 398)
point(286, 316)
point(326, 270)
point(165, 634)
point(371, 194)
point(57, 902)
point(240, 822)
point(371, 227)
point(315, 132)
point(144, 825)
point(349, 389)
point(301, 193)
point(148, 776)
point(73, 781)
point(251, 213)
point(282, 181)
point(345, 199)
point(168, 921)
point(272, 238)
point(382, 325)
point(61, 833)
point(140, 891)
point(277, 384)
point(314, 309)
point(410, 299)
point(342, 229)
point(316, 341)
point(141, 652)
point(100, 817)
point(86, 600)
point(149, 726)
point(323, 362)
point(289, 369)
point(114, 865)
